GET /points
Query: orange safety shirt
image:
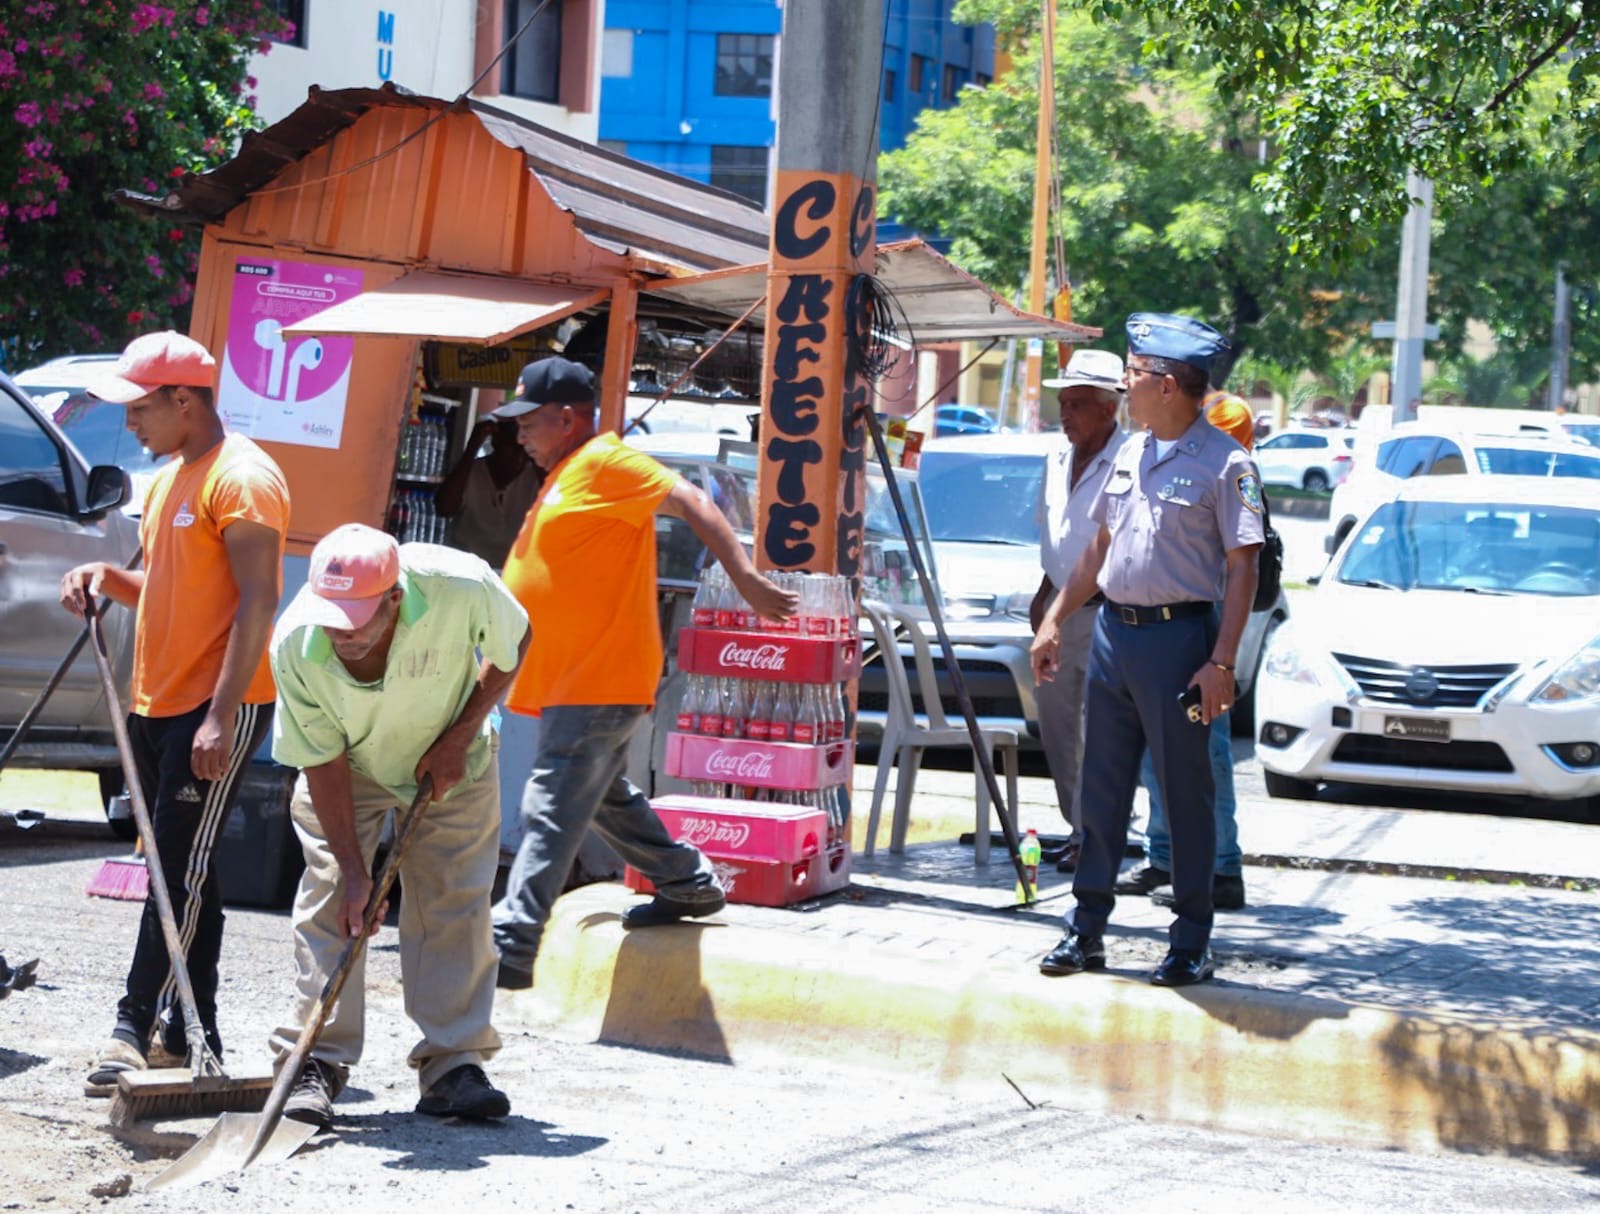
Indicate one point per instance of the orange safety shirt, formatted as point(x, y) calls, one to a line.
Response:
point(584, 568)
point(189, 599)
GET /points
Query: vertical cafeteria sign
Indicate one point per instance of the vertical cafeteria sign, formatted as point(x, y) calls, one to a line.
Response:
point(812, 488)
point(285, 389)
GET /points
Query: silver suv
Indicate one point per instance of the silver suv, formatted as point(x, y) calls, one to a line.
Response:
point(56, 512)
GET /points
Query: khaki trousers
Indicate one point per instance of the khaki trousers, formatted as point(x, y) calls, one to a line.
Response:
point(447, 955)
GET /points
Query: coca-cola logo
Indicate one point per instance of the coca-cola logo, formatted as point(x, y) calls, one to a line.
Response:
point(754, 657)
point(707, 832)
point(751, 765)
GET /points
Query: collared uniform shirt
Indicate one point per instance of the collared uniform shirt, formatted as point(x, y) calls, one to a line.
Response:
point(1065, 527)
point(1174, 519)
point(453, 609)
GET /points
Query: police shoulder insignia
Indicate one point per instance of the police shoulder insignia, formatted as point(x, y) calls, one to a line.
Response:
point(1250, 490)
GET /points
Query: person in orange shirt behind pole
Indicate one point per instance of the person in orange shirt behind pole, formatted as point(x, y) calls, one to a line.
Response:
point(213, 534)
point(584, 569)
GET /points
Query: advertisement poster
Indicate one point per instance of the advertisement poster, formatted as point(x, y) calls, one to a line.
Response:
point(285, 389)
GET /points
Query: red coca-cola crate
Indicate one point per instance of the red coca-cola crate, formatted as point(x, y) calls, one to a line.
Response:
point(794, 765)
point(775, 656)
point(764, 855)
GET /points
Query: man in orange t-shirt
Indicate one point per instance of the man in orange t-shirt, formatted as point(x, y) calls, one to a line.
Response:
point(584, 569)
point(213, 534)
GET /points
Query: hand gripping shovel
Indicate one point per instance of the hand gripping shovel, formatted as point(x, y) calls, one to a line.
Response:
point(238, 1139)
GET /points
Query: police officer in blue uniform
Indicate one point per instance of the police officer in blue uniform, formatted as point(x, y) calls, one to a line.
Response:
point(1180, 525)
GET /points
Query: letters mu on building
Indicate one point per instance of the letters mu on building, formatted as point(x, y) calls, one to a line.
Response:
point(685, 85)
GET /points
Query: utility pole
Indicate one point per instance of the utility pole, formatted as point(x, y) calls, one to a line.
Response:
point(1411, 306)
point(811, 492)
point(1033, 371)
point(1560, 341)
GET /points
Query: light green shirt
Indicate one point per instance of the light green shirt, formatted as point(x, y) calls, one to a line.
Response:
point(454, 609)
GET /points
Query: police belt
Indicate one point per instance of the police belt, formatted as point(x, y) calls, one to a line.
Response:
point(1158, 615)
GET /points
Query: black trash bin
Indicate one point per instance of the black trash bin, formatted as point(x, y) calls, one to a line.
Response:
point(258, 858)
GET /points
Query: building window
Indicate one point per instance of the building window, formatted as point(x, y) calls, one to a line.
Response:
point(294, 12)
point(919, 74)
point(890, 80)
point(616, 54)
point(983, 81)
point(532, 66)
point(742, 170)
point(954, 78)
point(744, 65)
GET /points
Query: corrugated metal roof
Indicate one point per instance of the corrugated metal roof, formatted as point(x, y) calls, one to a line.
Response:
point(942, 302)
point(619, 203)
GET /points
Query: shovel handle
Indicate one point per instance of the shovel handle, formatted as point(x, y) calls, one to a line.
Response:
point(200, 1055)
point(289, 1069)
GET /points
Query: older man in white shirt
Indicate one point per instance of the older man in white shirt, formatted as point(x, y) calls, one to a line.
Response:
point(1090, 393)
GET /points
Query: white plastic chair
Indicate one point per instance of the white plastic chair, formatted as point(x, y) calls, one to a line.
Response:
point(907, 733)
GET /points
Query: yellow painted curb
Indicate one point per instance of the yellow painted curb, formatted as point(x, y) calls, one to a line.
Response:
point(1217, 1055)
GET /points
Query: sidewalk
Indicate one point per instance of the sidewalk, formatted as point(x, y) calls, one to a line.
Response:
point(1373, 1009)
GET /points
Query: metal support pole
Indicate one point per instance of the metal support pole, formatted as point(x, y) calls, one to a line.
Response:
point(1411, 306)
point(1560, 341)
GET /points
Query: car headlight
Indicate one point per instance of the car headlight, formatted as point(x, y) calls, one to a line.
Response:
point(1020, 604)
point(969, 606)
point(1289, 659)
point(1578, 678)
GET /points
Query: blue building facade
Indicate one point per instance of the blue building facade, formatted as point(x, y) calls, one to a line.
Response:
point(687, 85)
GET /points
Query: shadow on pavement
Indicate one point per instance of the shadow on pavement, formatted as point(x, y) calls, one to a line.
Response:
point(458, 1146)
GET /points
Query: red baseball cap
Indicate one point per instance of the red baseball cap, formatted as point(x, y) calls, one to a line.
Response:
point(156, 360)
point(352, 568)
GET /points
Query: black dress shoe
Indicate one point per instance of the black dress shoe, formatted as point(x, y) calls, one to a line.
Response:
point(1074, 954)
point(513, 977)
point(1067, 862)
point(1183, 967)
point(1227, 894)
point(1144, 880)
point(661, 910)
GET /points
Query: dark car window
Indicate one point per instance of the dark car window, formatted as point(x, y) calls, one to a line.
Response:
point(32, 475)
point(1411, 456)
point(979, 498)
point(1448, 460)
point(97, 428)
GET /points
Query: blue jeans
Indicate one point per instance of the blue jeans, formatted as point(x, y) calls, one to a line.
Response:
point(1158, 841)
point(576, 783)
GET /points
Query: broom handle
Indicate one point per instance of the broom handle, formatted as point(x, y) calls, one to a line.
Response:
point(200, 1055)
point(34, 709)
point(289, 1069)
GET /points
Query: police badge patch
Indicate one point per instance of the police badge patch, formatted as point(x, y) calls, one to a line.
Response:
point(1250, 491)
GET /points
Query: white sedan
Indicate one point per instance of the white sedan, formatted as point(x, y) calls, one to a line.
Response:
point(1452, 644)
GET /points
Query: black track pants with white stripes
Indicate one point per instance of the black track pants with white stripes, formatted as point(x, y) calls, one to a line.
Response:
point(188, 816)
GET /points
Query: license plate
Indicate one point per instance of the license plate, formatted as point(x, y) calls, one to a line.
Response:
point(1421, 729)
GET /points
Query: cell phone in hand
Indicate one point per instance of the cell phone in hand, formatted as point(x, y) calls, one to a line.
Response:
point(1190, 699)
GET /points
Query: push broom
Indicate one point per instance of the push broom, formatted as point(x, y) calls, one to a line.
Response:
point(204, 1087)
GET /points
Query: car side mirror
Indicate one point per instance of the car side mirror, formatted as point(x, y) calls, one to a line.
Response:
point(1314, 580)
point(108, 487)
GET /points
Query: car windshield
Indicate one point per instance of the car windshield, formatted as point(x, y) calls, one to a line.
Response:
point(96, 428)
point(976, 497)
point(1526, 461)
point(1484, 547)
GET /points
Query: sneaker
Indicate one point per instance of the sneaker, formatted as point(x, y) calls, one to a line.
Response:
point(464, 1092)
point(115, 1057)
point(1144, 880)
point(311, 1100)
point(662, 910)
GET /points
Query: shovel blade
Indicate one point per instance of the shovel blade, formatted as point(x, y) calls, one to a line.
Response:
point(222, 1151)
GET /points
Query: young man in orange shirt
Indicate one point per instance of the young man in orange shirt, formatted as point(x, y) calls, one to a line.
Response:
point(584, 569)
point(213, 533)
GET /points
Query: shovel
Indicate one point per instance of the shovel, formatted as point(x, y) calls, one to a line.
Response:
point(239, 1139)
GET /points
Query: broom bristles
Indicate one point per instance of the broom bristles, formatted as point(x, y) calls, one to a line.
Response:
point(173, 1094)
point(126, 879)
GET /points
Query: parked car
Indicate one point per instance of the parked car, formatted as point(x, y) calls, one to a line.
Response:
point(1451, 645)
point(1582, 429)
point(1419, 449)
point(1313, 460)
point(95, 427)
point(981, 494)
point(56, 511)
point(952, 420)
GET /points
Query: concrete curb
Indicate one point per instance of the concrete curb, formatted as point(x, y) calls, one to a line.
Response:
point(1220, 1055)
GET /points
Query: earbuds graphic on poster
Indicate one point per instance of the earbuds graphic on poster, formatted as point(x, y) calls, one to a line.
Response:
point(278, 388)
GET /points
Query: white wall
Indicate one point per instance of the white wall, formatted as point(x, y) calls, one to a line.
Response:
point(423, 45)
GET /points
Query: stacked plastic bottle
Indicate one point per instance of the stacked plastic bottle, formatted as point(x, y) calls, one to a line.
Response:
point(425, 446)
point(761, 710)
point(413, 519)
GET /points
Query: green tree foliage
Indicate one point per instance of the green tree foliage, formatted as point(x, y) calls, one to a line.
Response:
point(1157, 210)
point(95, 96)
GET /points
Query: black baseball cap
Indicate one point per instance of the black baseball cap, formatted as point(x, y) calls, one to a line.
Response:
point(550, 381)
